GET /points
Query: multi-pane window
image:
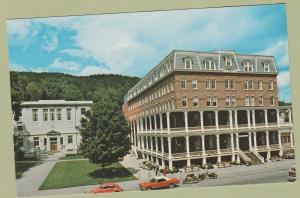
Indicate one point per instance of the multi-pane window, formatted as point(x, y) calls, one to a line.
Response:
point(210, 65)
point(188, 64)
point(271, 86)
point(260, 85)
point(52, 114)
point(194, 84)
point(68, 113)
point(248, 66)
point(195, 101)
point(34, 114)
point(252, 101)
point(260, 101)
point(230, 101)
point(248, 85)
point(184, 102)
point(272, 101)
point(45, 114)
point(228, 61)
point(211, 101)
point(36, 141)
point(210, 84)
point(70, 139)
point(58, 114)
point(247, 101)
point(183, 84)
point(229, 84)
point(266, 67)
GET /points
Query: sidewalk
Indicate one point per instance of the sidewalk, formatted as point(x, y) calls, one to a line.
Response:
point(31, 180)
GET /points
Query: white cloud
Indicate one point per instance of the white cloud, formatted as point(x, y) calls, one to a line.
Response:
point(17, 67)
point(283, 79)
point(66, 65)
point(91, 70)
point(50, 43)
point(76, 53)
point(280, 51)
point(19, 27)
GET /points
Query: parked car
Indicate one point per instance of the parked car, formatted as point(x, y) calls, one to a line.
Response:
point(292, 173)
point(107, 188)
point(159, 182)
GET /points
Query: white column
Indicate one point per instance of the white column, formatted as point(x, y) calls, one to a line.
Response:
point(156, 144)
point(279, 143)
point(290, 116)
point(291, 137)
point(248, 119)
point(268, 146)
point(137, 132)
point(187, 142)
point(235, 119)
point(201, 120)
point(186, 121)
point(155, 124)
point(134, 134)
point(163, 163)
point(170, 153)
point(237, 146)
point(217, 120)
point(255, 141)
point(132, 138)
point(203, 149)
point(150, 123)
point(278, 117)
point(160, 122)
point(146, 124)
point(232, 147)
point(218, 147)
point(151, 144)
point(168, 121)
point(162, 146)
point(230, 119)
point(253, 118)
point(266, 117)
point(250, 140)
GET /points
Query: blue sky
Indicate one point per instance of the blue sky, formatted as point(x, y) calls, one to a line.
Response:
point(133, 43)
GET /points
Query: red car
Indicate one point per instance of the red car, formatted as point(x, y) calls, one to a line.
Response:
point(159, 182)
point(107, 188)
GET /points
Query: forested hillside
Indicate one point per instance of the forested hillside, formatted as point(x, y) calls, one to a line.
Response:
point(27, 86)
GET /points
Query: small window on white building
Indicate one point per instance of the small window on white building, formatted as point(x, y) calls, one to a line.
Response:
point(45, 114)
point(36, 141)
point(184, 102)
point(183, 84)
point(210, 65)
point(68, 113)
point(52, 116)
point(34, 114)
point(272, 101)
point(194, 84)
point(228, 61)
point(248, 66)
point(70, 139)
point(195, 101)
point(58, 114)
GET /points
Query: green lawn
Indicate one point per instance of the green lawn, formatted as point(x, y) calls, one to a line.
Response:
point(24, 166)
point(80, 172)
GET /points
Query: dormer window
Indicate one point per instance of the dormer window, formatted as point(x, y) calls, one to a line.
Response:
point(228, 61)
point(248, 66)
point(188, 64)
point(210, 65)
point(266, 67)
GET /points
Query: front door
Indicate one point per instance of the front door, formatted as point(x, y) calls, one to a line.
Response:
point(244, 142)
point(53, 144)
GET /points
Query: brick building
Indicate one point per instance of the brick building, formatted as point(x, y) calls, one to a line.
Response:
point(208, 107)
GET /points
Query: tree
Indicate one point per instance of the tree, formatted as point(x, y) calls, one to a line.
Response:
point(33, 91)
point(104, 131)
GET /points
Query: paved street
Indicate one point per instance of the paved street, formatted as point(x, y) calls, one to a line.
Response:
point(273, 172)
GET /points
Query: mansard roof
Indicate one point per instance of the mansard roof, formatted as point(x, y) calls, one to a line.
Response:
point(176, 61)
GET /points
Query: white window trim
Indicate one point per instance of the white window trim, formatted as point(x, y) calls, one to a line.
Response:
point(184, 99)
point(184, 83)
point(195, 80)
point(190, 62)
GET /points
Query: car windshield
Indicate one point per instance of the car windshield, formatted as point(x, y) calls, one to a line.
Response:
point(153, 180)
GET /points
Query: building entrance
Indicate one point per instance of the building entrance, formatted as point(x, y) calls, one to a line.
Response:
point(244, 142)
point(53, 144)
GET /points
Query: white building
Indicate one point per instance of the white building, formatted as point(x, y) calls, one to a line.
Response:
point(51, 125)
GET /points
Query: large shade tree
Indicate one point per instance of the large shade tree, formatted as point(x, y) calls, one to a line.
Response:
point(104, 130)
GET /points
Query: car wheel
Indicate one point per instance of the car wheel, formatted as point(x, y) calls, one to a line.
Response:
point(171, 186)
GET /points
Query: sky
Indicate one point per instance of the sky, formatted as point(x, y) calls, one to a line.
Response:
point(133, 43)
